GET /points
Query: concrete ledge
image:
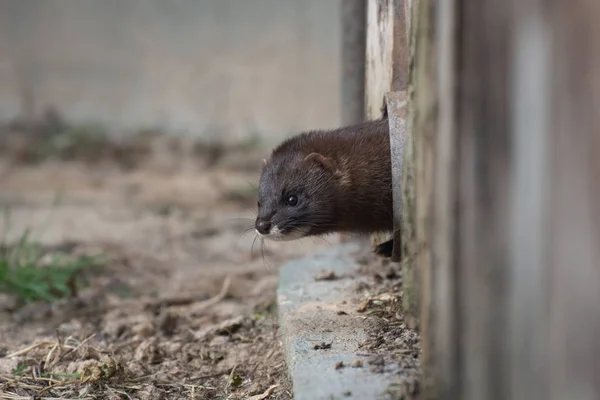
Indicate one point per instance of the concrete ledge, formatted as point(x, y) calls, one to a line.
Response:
point(314, 312)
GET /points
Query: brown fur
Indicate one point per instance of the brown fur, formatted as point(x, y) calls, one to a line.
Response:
point(342, 179)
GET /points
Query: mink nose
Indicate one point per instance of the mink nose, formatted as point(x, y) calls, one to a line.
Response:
point(263, 227)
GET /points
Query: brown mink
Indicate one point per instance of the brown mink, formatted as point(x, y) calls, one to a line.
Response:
point(320, 182)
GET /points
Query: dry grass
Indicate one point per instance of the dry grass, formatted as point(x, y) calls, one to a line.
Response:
point(169, 347)
point(69, 368)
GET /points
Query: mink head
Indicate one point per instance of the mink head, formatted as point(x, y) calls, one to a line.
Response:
point(297, 196)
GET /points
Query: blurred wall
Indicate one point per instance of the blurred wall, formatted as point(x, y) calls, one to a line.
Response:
point(227, 67)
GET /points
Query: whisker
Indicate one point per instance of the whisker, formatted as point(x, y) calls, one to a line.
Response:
point(239, 219)
point(321, 238)
point(252, 246)
point(262, 253)
point(235, 222)
point(252, 185)
point(300, 223)
point(243, 233)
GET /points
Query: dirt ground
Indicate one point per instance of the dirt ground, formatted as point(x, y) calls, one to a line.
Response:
point(183, 307)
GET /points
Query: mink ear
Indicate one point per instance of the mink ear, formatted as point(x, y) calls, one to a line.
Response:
point(325, 162)
point(264, 161)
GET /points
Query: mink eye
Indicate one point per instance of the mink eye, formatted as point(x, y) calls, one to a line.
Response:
point(258, 204)
point(292, 200)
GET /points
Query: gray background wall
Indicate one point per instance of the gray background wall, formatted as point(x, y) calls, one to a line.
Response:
point(232, 67)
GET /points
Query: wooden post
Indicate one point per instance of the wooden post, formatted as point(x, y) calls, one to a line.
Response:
point(379, 61)
point(387, 55)
point(508, 184)
point(387, 71)
point(379, 66)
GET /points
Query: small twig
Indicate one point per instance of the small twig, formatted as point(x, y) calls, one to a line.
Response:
point(29, 348)
point(181, 301)
point(57, 346)
point(73, 349)
point(54, 386)
point(264, 360)
point(264, 395)
point(120, 346)
point(140, 378)
point(213, 375)
point(220, 296)
point(230, 377)
point(118, 391)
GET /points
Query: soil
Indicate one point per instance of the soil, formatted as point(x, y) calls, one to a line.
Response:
point(183, 307)
point(391, 339)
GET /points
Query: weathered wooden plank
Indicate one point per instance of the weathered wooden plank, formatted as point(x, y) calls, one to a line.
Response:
point(410, 278)
point(484, 148)
point(439, 275)
point(387, 71)
point(405, 238)
point(386, 53)
point(380, 55)
point(527, 311)
point(418, 186)
point(379, 67)
point(396, 111)
point(572, 220)
point(511, 290)
point(554, 273)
